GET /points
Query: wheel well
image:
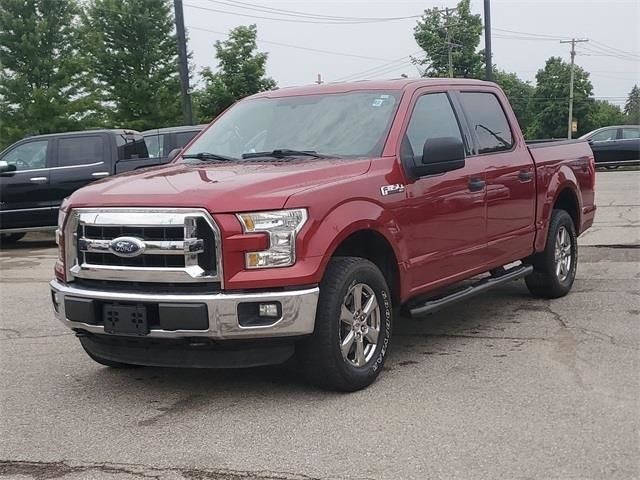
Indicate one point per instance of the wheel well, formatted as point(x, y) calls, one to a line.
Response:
point(374, 247)
point(568, 202)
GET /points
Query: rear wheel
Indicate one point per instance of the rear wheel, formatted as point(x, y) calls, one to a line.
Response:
point(9, 238)
point(353, 327)
point(555, 268)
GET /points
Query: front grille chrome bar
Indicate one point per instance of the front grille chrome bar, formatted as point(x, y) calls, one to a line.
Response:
point(180, 245)
point(152, 247)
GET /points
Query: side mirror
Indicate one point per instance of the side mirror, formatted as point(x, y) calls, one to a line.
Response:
point(439, 155)
point(173, 154)
point(5, 167)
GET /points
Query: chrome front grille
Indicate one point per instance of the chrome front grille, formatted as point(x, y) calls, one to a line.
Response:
point(172, 245)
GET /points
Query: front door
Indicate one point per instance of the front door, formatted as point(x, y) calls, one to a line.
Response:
point(444, 218)
point(25, 197)
point(510, 176)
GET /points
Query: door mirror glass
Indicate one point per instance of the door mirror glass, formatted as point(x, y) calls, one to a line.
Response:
point(439, 155)
point(173, 154)
point(6, 167)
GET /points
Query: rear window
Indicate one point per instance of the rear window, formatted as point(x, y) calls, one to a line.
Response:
point(628, 133)
point(131, 146)
point(488, 120)
point(80, 150)
point(155, 145)
point(182, 138)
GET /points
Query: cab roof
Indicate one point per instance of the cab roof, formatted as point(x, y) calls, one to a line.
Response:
point(399, 84)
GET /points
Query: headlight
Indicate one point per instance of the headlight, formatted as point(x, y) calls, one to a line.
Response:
point(282, 226)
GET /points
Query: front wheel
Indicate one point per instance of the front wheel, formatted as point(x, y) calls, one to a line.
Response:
point(555, 267)
point(353, 327)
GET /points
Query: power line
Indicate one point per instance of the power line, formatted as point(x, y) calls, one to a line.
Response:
point(291, 20)
point(623, 52)
point(381, 68)
point(318, 50)
point(295, 13)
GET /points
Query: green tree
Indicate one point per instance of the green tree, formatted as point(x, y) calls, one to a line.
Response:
point(42, 87)
point(632, 106)
point(519, 94)
point(602, 114)
point(436, 28)
point(550, 102)
point(241, 72)
point(133, 57)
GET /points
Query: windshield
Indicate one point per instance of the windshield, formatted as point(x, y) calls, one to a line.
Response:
point(345, 125)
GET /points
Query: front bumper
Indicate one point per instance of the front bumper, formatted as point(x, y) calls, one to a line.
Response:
point(297, 316)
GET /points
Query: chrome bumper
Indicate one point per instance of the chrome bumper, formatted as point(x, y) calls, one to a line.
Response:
point(298, 311)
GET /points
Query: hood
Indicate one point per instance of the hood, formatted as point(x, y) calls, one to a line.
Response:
point(219, 188)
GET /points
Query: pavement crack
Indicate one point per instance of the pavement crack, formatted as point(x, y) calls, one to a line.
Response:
point(456, 335)
point(53, 470)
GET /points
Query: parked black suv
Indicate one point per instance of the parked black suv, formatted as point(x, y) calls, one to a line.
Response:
point(37, 173)
point(161, 141)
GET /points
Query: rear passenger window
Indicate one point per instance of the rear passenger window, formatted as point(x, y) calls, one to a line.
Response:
point(80, 150)
point(628, 133)
point(432, 117)
point(488, 121)
point(183, 138)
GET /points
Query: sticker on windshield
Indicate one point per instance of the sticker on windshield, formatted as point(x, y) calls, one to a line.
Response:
point(377, 102)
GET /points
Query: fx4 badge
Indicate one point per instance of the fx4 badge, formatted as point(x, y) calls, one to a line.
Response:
point(390, 189)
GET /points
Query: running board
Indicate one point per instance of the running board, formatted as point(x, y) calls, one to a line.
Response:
point(430, 306)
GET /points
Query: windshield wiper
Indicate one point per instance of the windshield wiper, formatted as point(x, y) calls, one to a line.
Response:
point(285, 152)
point(206, 156)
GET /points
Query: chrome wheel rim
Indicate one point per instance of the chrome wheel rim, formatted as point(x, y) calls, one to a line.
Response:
point(563, 254)
point(359, 325)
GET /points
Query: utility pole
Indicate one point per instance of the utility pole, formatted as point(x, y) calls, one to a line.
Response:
point(573, 42)
point(487, 41)
point(448, 41)
point(183, 66)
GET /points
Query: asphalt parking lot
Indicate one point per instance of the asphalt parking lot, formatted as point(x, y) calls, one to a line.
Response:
point(503, 386)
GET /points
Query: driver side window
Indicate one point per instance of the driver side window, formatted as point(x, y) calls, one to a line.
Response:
point(605, 135)
point(28, 156)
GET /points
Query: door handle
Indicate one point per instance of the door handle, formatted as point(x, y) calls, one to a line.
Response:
point(525, 175)
point(100, 174)
point(38, 179)
point(476, 184)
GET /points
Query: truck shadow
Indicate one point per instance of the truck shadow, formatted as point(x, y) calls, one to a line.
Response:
point(419, 342)
point(32, 241)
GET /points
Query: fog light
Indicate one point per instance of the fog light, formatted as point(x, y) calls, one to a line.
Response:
point(55, 300)
point(268, 310)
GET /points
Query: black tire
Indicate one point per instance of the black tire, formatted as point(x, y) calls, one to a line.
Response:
point(320, 355)
point(545, 282)
point(108, 363)
point(9, 238)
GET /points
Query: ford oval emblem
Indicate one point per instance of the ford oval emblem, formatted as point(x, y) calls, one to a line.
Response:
point(127, 247)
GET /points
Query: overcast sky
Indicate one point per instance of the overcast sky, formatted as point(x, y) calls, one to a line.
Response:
point(612, 56)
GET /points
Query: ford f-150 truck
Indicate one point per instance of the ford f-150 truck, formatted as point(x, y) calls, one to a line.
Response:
point(304, 219)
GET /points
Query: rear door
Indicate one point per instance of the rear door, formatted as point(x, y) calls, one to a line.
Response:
point(444, 218)
point(80, 160)
point(25, 196)
point(510, 175)
point(629, 144)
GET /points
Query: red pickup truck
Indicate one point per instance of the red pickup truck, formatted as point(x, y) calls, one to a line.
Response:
point(304, 219)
